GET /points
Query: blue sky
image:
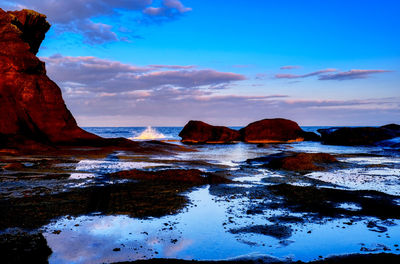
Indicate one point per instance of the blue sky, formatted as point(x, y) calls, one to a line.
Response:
point(144, 62)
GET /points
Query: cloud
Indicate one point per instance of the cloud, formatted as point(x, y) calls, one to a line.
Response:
point(110, 93)
point(169, 10)
point(79, 16)
point(351, 75)
point(290, 67)
point(339, 76)
point(94, 74)
point(187, 79)
point(63, 12)
point(175, 107)
point(94, 33)
point(296, 76)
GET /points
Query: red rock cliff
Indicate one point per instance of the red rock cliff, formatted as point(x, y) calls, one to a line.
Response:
point(31, 105)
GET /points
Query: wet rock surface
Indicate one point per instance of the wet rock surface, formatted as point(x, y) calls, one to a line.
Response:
point(23, 247)
point(326, 201)
point(193, 177)
point(160, 192)
point(133, 199)
point(298, 162)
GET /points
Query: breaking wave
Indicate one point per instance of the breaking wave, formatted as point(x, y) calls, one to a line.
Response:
point(149, 133)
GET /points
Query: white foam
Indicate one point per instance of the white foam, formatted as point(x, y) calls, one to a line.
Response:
point(149, 133)
point(112, 166)
point(378, 179)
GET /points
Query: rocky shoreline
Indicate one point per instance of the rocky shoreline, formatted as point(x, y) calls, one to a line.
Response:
point(42, 147)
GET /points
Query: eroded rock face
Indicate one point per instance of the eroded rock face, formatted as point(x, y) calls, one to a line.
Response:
point(352, 136)
point(31, 105)
point(275, 130)
point(200, 132)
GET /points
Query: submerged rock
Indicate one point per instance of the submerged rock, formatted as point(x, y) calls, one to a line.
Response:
point(352, 136)
point(301, 162)
point(193, 176)
point(276, 230)
point(200, 132)
point(327, 201)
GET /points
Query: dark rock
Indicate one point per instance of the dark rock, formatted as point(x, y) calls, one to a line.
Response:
point(193, 177)
point(395, 128)
point(373, 226)
point(136, 199)
point(310, 136)
point(326, 201)
point(352, 136)
point(275, 230)
point(275, 130)
point(200, 132)
point(22, 247)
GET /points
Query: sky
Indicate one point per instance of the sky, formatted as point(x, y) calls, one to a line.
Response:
point(163, 63)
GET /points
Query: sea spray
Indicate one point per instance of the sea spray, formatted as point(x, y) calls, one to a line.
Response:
point(149, 133)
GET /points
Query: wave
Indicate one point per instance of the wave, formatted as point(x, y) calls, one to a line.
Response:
point(149, 133)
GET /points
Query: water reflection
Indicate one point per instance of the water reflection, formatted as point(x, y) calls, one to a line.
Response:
point(202, 232)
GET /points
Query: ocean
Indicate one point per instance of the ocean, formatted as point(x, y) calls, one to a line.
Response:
point(159, 133)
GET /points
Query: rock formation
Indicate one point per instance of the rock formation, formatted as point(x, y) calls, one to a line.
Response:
point(274, 130)
point(32, 109)
point(352, 136)
point(200, 132)
point(301, 162)
point(263, 131)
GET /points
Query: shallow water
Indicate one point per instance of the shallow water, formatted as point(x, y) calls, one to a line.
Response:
point(202, 230)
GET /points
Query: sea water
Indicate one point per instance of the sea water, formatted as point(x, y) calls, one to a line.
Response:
point(137, 133)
